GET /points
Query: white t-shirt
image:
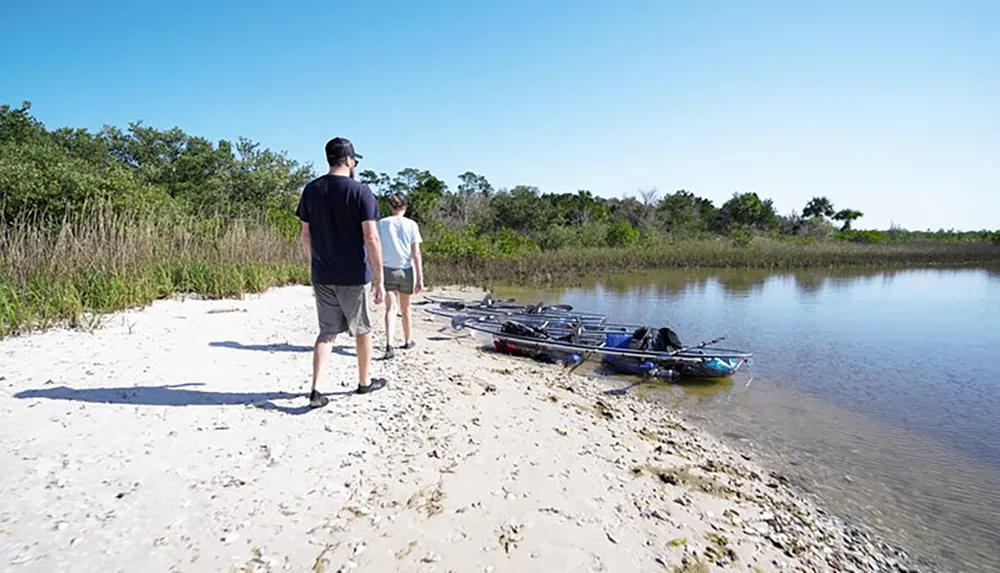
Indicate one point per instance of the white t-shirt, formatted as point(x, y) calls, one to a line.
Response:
point(398, 235)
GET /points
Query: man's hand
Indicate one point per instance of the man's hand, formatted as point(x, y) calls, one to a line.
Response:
point(418, 287)
point(378, 291)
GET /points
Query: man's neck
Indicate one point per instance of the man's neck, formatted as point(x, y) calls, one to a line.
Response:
point(341, 170)
point(398, 213)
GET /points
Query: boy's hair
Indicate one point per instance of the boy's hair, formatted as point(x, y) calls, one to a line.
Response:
point(397, 201)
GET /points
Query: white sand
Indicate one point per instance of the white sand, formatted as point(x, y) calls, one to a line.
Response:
point(177, 438)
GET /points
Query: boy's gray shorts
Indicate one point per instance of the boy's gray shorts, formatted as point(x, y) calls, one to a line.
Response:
point(343, 308)
point(399, 280)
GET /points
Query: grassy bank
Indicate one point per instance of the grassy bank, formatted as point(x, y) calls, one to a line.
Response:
point(569, 266)
point(94, 263)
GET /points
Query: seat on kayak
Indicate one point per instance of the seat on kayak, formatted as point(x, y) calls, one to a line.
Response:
point(523, 330)
point(662, 339)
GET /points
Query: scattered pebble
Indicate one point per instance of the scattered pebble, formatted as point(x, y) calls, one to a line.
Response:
point(431, 558)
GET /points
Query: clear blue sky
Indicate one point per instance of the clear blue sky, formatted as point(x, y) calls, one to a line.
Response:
point(888, 106)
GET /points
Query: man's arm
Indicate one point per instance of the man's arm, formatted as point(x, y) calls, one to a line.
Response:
point(306, 240)
point(373, 245)
point(374, 248)
point(302, 212)
point(369, 227)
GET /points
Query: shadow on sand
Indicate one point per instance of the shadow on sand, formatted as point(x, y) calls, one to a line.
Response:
point(277, 347)
point(172, 395)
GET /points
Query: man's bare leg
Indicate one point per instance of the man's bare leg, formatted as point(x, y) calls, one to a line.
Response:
point(390, 322)
point(363, 346)
point(321, 353)
point(404, 305)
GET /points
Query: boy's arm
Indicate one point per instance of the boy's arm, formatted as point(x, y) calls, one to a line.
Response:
point(418, 269)
point(418, 263)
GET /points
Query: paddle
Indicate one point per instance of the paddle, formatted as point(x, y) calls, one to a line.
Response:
point(459, 320)
point(693, 346)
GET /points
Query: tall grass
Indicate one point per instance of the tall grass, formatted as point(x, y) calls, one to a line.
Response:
point(98, 261)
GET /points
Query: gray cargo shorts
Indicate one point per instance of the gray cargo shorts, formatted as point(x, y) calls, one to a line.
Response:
point(398, 280)
point(343, 308)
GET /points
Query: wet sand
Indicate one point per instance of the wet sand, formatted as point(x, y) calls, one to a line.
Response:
point(177, 438)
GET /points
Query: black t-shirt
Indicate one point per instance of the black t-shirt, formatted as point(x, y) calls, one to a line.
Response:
point(334, 206)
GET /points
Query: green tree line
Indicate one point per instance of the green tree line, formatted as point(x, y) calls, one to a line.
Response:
point(476, 218)
point(49, 173)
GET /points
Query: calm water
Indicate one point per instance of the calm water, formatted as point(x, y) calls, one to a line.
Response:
point(878, 391)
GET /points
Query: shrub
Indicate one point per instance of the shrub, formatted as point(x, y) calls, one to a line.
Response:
point(622, 234)
point(510, 242)
point(586, 236)
point(867, 237)
point(741, 235)
point(446, 242)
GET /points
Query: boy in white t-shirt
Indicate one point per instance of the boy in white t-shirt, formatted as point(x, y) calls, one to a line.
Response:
point(402, 268)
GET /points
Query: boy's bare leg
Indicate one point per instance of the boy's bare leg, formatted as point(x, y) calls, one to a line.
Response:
point(404, 305)
point(390, 319)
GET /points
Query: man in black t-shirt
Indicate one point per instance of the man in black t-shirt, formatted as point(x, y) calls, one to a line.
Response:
point(339, 218)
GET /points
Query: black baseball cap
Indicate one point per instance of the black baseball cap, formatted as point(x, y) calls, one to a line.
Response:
point(340, 148)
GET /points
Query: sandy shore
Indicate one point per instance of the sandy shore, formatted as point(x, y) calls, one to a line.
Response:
point(177, 438)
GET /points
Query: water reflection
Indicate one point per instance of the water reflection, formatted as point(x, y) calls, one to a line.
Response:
point(743, 283)
point(673, 284)
point(809, 284)
point(738, 282)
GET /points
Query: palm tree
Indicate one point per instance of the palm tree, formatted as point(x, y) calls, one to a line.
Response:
point(847, 215)
point(818, 207)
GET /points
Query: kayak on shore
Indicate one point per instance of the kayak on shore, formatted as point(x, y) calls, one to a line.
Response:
point(558, 333)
